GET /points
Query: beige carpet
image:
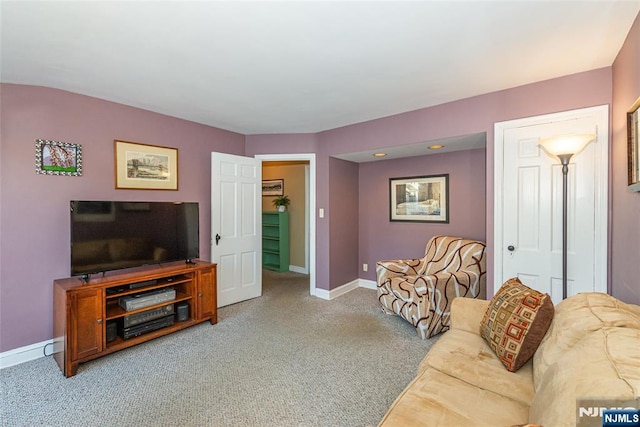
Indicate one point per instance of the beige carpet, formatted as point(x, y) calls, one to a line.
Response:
point(285, 359)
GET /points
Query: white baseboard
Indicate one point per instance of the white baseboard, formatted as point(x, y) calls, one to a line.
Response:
point(297, 269)
point(24, 354)
point(343, 289)
point(368, 284)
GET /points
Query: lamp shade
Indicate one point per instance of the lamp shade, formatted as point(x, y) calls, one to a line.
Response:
point(571, 143)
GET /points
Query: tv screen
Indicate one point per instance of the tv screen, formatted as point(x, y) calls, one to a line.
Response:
point(108, 235)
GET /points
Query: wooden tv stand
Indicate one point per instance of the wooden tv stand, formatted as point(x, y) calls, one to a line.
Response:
point(82, 310)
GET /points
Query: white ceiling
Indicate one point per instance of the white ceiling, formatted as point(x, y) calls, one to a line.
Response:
point(301, 66)
point(456, 143)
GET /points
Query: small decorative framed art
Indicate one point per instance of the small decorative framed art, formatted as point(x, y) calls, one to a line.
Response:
point(58, 158)
point(419, 199)
point(272, 187)
point(145, 167)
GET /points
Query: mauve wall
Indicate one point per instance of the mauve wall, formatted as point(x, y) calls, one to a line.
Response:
point(466, 116)
point(381, 239)
point(472, 115)
point(34, 216)
point(34, 212)
point(625, 230)
point(343, 217)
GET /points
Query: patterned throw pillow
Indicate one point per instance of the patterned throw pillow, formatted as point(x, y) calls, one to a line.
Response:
point(515, 322)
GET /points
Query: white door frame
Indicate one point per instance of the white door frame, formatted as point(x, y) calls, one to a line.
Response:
point(311, 217)
point(601, 114)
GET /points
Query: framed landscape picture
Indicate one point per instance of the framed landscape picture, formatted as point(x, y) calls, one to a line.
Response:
point(147, 167)
point(58, 158)
point(419, 199)
point(273, 187)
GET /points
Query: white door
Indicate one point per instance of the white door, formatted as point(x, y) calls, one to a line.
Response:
point(529, 232)
point(236, 222)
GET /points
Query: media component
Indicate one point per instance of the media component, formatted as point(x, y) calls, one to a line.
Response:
point(138, 301)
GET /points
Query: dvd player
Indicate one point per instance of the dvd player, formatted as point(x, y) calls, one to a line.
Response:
point(145, 316)
point(144, 328)
point(135, 302)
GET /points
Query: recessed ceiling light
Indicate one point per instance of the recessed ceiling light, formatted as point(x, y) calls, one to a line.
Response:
point(436, 147)
point(379, 154)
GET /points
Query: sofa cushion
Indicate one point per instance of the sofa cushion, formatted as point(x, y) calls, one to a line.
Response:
point(574, 319)
point(515, 322)
point(467, 313)
point(437, 399)
point(466, 356)
point(604, 364)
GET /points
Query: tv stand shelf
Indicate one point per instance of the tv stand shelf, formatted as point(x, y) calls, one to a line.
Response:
point(114, 311)
point(87, 312)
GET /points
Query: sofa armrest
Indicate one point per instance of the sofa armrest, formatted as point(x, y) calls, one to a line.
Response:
point(397, 267)
point(467, 313)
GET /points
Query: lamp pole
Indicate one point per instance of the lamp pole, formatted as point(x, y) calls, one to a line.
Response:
point(564, 159)
point(564, 147)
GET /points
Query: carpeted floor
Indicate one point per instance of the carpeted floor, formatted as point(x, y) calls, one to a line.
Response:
point(285, 359)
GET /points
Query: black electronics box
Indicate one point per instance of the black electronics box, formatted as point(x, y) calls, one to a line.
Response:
point(112, 331)
point(182, 311)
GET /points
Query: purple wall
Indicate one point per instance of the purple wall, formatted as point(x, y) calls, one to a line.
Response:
point(294, 143)
point(467, 116)
point(34, 216)
point(381, 239)
point(343, 218)
point(625, 212)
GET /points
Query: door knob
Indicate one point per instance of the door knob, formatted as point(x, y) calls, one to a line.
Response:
point(217, 239)
point(511, 248)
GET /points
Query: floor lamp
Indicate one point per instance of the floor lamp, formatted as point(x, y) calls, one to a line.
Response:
point(564, 147)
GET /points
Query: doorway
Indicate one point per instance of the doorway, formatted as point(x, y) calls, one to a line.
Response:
point(307, 160)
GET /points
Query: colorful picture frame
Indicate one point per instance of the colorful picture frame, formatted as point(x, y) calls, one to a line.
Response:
point(145, 167)
point(419, 199)
point(58, 158)
point(272, 187)
point(633, 145)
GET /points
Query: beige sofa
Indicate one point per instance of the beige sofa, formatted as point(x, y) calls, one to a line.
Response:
point(590, 351)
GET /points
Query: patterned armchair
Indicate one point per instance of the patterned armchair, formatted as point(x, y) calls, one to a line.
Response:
point(421, 290)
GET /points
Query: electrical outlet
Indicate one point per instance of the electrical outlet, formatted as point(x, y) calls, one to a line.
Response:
point(365, 267)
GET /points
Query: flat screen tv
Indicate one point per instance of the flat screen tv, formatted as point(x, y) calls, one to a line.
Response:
point(108, 235)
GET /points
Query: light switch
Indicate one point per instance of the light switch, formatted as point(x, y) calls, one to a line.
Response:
point(321, 213)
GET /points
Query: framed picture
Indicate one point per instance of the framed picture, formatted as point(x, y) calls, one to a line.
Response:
point(58, 158)
point(633, 149)
point(419, 199)
point(273, 187)
point(147, 167)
